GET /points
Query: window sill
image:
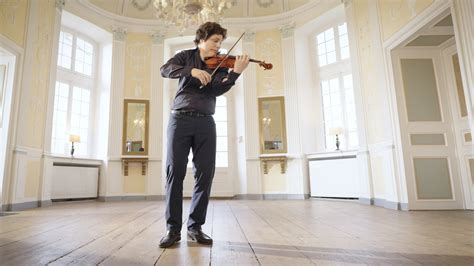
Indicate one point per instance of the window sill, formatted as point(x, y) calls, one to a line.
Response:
point(65, 158)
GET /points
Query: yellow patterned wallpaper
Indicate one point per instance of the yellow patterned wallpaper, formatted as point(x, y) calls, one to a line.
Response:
point(394, 14)
point(33, 170)
point(138, 66)
point(368, 66)
point(13, 20)
point(135, 181)
point(43, 29)
point(268, 48)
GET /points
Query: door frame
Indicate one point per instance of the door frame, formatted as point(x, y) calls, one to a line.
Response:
point(12, 118)
point(436, 9)
point(447, 150)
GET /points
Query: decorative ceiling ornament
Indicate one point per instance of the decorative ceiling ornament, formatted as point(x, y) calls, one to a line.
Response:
point(141, 4)
point(265, 3)
point(188, 13)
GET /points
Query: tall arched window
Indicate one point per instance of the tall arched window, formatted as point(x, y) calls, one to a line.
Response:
point(73, 95)
point(336, 86)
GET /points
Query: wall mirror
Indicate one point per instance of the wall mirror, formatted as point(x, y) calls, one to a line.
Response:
point(272, 125)
point(135, 127)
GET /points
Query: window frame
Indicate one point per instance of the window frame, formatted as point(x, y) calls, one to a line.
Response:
point(338, 69)
point(77, 79)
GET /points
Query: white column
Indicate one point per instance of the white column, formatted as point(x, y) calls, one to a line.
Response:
point(154, 184)
point(298, 178)
point(46, 182)
point(252, 183)
point(464, 29)
point(366, 192)
point(111, 181)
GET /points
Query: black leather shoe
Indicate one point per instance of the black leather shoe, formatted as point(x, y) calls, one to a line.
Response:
point(198, 236)
point(170, 238)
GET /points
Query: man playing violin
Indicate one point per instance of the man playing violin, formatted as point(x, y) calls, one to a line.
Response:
point(191, 126)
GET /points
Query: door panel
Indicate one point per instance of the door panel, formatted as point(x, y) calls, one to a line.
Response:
point(463, 137)
point(432, 170)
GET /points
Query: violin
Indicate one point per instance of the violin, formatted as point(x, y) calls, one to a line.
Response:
point(215, 61)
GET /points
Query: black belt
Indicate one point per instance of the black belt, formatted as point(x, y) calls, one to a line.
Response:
point(188, 113)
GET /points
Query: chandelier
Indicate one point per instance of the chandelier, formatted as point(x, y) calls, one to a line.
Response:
point(184, 14)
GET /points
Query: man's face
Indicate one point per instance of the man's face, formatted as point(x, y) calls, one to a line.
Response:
point(211, 46)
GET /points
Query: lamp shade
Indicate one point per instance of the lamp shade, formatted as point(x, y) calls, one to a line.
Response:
point(74, 138)
point(336, 130)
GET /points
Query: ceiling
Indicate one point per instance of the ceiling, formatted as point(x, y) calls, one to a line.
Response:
point(241, 8)
point(435, 34)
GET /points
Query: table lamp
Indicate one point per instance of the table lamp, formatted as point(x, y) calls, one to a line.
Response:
point(72, 139)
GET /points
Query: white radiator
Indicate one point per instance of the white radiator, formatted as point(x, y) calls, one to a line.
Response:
point(74, 181)
point(334, 177)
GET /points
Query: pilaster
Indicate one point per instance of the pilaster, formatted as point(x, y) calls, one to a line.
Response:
point(296, 170)
point(154, 181)
point(252, 183)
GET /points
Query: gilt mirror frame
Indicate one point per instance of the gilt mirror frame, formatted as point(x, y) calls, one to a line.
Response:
point(279, 148)
point(125, 127)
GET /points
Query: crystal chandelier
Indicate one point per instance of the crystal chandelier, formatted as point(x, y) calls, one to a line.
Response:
point(188, 13)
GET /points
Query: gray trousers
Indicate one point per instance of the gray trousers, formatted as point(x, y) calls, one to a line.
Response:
point(184, 133)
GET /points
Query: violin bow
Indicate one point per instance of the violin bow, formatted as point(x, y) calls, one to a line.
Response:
point(226, 56)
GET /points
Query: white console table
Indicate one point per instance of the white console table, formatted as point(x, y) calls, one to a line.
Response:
point(333, 174)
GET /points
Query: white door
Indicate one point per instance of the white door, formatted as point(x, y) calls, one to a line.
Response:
point(463, 136)
point(431, 165)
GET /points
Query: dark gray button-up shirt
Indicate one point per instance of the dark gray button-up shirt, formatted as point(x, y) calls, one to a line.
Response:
point(189, 96)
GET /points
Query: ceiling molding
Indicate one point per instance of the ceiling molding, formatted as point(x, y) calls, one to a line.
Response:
point(109, 20)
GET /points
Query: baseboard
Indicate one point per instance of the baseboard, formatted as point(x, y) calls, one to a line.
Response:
point(23, 206)
point(131, 198)
point(271, 196)
point(366, 201)
point(46, 203)
point(391, 204)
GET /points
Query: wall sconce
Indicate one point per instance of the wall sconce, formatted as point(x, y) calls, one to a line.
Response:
point(336, 131)
point(72, 139)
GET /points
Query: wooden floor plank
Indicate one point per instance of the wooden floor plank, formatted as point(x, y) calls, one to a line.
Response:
point(187, 252)
point(245, 232)
point(231, 247)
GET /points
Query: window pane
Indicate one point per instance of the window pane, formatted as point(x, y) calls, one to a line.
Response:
point(345, 53)
point(321, 49)
point(348, 81)
point(221, 128)
point(329, 34)
point(65, 49)
point(221, 159)
point(321, 38)
point(322, 60)
point(342, 29)
point(221, 144)
point(221, 101)
point(221, 114)
point(331, 57)
point(344, 41)
point(76, 95)
point(335, 99)
point(330, 46)
point(325, 86)
point(334, 85)
point(84, 56)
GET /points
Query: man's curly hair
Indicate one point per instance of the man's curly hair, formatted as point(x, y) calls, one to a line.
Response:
point(208, 29)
